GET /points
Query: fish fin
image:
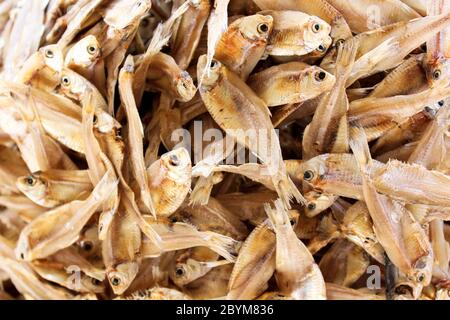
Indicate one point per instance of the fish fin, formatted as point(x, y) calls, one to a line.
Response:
point(287, 191)
point(278, 216)
point(215, 264)
point(163, 32)
point(225, 246)
point(346, 57)
point(360, 148)
point(202, 190)
point(217, 25)
point(366, 65)
point(106, 217)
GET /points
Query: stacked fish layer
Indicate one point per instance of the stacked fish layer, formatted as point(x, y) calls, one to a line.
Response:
point(227, 149)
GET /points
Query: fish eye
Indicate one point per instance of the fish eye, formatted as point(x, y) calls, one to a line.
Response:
point(437, 75)
point(322, 48)
point(311, 206)
point(91, 49)
point(339, 42)
point(441, 103)
point(214, 64)
point(421, 277)
point(65, 81)
point(49, 53)
point(87, 246)
point(292, 221)
point(316, 27)
point(95, 119)
point(184, 85)
point(145, 23)
point(174, 161)
point(95, 282)
point(179, 272)
point(22, 256)
point(320, 76)
point(115, 281)
point(308, 175)
point(263, 28)
point(30, 180)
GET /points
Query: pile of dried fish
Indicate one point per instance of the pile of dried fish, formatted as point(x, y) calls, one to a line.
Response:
point(227, 149)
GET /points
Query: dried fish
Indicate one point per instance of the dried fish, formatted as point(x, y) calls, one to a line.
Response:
point(233, 162)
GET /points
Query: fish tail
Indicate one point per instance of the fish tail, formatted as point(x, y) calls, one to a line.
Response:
point(202, 191)
point(279, 215)
point(287, 190)
point(163, 31)
point(346, 57)
point(109, 209)
point(225, 246)
point(360, 148)
point(375, 56)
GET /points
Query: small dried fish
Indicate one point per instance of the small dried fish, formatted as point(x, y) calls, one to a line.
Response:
point(297, 275)
point(293, 82)
point(182, 185)
point(217, 93)
point(288, 25)
point(55, 187)
point(244, 43)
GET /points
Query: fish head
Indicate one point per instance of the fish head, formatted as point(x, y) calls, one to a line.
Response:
point(121, 277)
point(178, 164)
point(86, 51)
point(438, 72)
point(423, 272)
point(53, 57)
point(313, 170)
point(319, 80)
point(317, 202)
point(72, 85)
point(255, 28)
point(184, 273)
point(321, 50)
point(92, 285)
point(316, 33)
point(89, 243)
point(432, 110)
point(34, 187)
point(409, 286)
point(212, 75)
point(185, 86)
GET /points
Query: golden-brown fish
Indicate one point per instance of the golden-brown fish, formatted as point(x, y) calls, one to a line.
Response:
point(254, 266)
point(296, 33)
point(293, 82)
point(244, 43)
point(169, 181)
point(55, 187)
point(296, 272)
point(224, 95)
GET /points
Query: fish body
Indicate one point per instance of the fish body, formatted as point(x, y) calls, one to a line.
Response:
point(56, 187)
point(296, 33)
point(170, 181)
point(293, 82)
point(244, 43)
